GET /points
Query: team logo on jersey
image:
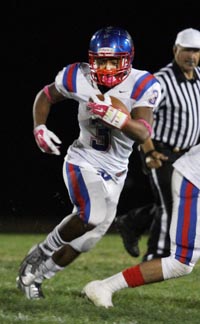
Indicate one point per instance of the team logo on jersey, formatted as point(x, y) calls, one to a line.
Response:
point(154, 97)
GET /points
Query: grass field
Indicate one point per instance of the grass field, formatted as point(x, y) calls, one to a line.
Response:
point(174, 301)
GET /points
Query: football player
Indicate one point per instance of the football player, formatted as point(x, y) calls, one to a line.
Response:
point(95, 166)
point(184, 237)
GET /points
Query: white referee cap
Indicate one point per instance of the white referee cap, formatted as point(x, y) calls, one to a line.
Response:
point(188, 38)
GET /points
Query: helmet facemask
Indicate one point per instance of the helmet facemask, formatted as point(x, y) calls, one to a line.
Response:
point(112, 77)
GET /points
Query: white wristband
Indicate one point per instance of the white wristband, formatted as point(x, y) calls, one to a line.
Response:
point(115, 117)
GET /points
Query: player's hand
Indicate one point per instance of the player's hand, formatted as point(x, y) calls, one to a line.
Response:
point(98, 108)
point(108, 114)
point(46, 140)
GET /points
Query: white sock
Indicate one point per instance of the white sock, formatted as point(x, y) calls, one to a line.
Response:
point(116, 282)
point(52, 243)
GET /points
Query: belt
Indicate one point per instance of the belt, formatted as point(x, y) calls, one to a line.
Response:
point(174, 149)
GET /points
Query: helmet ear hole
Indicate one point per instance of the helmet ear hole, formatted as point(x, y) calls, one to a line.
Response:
point(111, 42)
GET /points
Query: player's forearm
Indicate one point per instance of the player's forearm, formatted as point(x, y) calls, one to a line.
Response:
point(41, 108)
point(136, 130)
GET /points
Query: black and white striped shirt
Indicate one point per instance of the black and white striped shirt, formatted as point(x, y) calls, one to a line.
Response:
point(177, 117)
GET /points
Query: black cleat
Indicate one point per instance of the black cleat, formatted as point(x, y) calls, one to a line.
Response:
point(134, 224)
point(129, 237)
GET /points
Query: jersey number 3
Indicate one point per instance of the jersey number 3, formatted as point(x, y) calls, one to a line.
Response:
point(101, 140)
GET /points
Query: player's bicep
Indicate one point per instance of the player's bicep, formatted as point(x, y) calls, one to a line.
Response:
point(54, 94)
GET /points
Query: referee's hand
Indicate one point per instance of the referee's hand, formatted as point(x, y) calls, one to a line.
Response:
point(155, 160)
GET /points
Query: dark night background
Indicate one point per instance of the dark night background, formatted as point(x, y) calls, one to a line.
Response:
point(37, 40)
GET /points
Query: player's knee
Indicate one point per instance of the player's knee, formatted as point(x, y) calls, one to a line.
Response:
point(173, 268)
point(73, 228)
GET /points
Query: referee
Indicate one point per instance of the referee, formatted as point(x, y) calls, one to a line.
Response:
point(176, 129)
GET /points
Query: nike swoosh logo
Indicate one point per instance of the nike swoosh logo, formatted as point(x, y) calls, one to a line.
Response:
point(121, 91)
point(100, 110)
point(39, 137)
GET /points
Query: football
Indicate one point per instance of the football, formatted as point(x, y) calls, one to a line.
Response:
point(116, 103)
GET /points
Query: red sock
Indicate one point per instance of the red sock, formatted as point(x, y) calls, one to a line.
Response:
point(133, 276)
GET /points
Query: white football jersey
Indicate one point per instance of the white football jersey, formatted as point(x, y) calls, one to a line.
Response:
point(98, 145)
point(189, 165)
